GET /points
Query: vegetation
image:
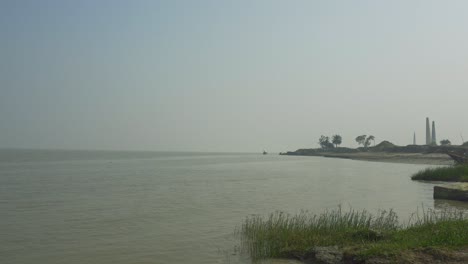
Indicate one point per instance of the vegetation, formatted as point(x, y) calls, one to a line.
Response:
point(364, 140)
point(457, 173)
point(325, 143)
point(445, 142)
point(358, 233)
point(368, 140)
point(361, 139)
point(337, 140)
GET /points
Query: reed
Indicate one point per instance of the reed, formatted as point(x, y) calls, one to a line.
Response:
point(285, 235)
point(457, 173)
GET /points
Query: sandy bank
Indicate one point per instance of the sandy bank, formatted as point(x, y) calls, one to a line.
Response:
point(410, 158)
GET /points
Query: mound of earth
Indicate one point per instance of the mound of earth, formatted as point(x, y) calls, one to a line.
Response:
point(384, 145)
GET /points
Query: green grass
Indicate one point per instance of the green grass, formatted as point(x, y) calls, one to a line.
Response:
point(362, 233)
point(453, 174)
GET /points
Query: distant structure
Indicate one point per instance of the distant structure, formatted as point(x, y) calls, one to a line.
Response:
point(428, 132)
point(434, 141)
point(414, 138)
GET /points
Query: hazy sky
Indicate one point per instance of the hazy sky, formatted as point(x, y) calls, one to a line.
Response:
point(230, 75)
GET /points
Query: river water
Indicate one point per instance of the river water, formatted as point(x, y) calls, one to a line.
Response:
point(149, 207)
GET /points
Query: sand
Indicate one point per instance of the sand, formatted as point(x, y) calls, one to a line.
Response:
point(410, 158)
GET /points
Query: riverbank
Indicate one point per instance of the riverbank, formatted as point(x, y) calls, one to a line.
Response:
point(448, 174)
point(417, 256)
point(456, 191)
point(394, 157)
point(388, 152)
point(358, 237)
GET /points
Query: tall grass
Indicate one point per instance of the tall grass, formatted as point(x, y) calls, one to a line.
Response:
point(457, 173)
point(284, 235)
point(424, 217)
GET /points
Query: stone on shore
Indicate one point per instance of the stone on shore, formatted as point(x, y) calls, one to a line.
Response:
point(279, 261)
point(458, 192)
point(325, 255)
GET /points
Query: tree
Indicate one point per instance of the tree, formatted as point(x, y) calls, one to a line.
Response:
point(361, 140)
point(368, 140)
point(336, 139)
point(365, 140)
point(324, 142)
point(445, 142)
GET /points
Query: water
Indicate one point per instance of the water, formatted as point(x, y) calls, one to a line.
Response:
point(148, 207)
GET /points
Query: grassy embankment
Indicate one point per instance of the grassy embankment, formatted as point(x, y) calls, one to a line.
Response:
point(457, 173)
point(360, 234)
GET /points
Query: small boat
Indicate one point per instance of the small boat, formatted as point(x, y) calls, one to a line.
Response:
point(264, 152)
point(458, 158)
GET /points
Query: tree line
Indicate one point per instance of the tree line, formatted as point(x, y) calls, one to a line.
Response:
point(336, 140)
point(364, 140)
point(325, 143)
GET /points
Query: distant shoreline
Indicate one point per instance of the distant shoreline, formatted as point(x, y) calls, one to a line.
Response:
point(408, 158)
point(388, 152)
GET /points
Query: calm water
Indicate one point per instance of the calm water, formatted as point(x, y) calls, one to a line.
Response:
point(142, 207)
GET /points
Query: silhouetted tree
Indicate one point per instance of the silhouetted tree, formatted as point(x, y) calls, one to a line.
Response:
point(324, 142)
point(445, 142)
point(336, 139)
point(368, 140)
point(361, 140)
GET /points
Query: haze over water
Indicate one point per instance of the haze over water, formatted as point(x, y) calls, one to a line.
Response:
point(152, 207)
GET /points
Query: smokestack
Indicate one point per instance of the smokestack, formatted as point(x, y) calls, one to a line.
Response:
point(428, 132)
point(414, 138)
point(434, 141)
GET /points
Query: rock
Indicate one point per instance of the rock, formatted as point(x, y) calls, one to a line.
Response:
point(324, 255)
point(279, 261)
point(458, 191)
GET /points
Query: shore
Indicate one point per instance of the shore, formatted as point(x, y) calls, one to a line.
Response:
point(409, 158)
point(339, 236)
point(387, 152)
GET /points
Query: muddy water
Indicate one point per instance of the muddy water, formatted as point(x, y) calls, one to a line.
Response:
point(149, 207)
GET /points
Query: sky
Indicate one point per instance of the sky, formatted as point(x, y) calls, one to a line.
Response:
point(230, 76)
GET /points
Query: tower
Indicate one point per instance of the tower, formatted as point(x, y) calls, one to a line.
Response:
point(428, 132)
point(434, 141)
point(414, 138)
